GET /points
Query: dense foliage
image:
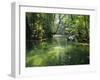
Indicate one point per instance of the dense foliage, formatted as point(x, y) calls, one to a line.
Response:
point(45, 31)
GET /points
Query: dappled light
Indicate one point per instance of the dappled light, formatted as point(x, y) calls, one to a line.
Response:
point(56, 39)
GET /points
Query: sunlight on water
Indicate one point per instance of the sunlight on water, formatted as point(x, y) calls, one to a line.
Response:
point(59, 40)
point(59, 50)
point(57, 35)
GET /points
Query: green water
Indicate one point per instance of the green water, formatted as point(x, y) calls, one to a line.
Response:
point(58, 52)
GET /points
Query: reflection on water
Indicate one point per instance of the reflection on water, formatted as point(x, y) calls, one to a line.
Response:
point(58, 52)
point(60, 43)
point(59, 40)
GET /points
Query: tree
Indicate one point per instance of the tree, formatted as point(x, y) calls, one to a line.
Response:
point(39, 27)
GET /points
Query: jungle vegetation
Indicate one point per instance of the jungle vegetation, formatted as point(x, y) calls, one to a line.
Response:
point(56, 39)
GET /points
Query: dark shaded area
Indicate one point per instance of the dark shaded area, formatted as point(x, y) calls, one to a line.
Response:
point(28, 36)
